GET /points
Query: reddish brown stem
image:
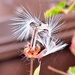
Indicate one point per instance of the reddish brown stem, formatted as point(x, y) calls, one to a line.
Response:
point(33, 41)
point(35, 35)
point(31, 66)
point(57, 71)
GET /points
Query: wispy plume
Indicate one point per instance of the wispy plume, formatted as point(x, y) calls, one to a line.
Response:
point(27, 25)
point(24, 23)
point(53, 45)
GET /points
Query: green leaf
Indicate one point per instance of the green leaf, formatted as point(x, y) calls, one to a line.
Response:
point(51, 12)
point(61, 4)
point(54, 11)
point(73, 70)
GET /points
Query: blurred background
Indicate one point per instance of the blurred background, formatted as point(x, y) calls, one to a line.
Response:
point(10, 48)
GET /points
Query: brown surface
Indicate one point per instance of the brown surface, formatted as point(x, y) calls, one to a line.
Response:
point(59, 60)
point(10, 48)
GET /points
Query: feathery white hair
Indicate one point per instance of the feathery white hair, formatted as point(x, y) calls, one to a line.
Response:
point(25, 23)
point(50, 48)
point(22, 25)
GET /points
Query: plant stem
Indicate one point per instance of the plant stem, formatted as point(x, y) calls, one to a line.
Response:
point(71, 6)
point(66, 11)
point(33, 40)
point(34, 37)
point(57, 71)
point(31, 66)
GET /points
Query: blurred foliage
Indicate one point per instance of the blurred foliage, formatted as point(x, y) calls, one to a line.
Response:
point(71, 71)
point(62, 7)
